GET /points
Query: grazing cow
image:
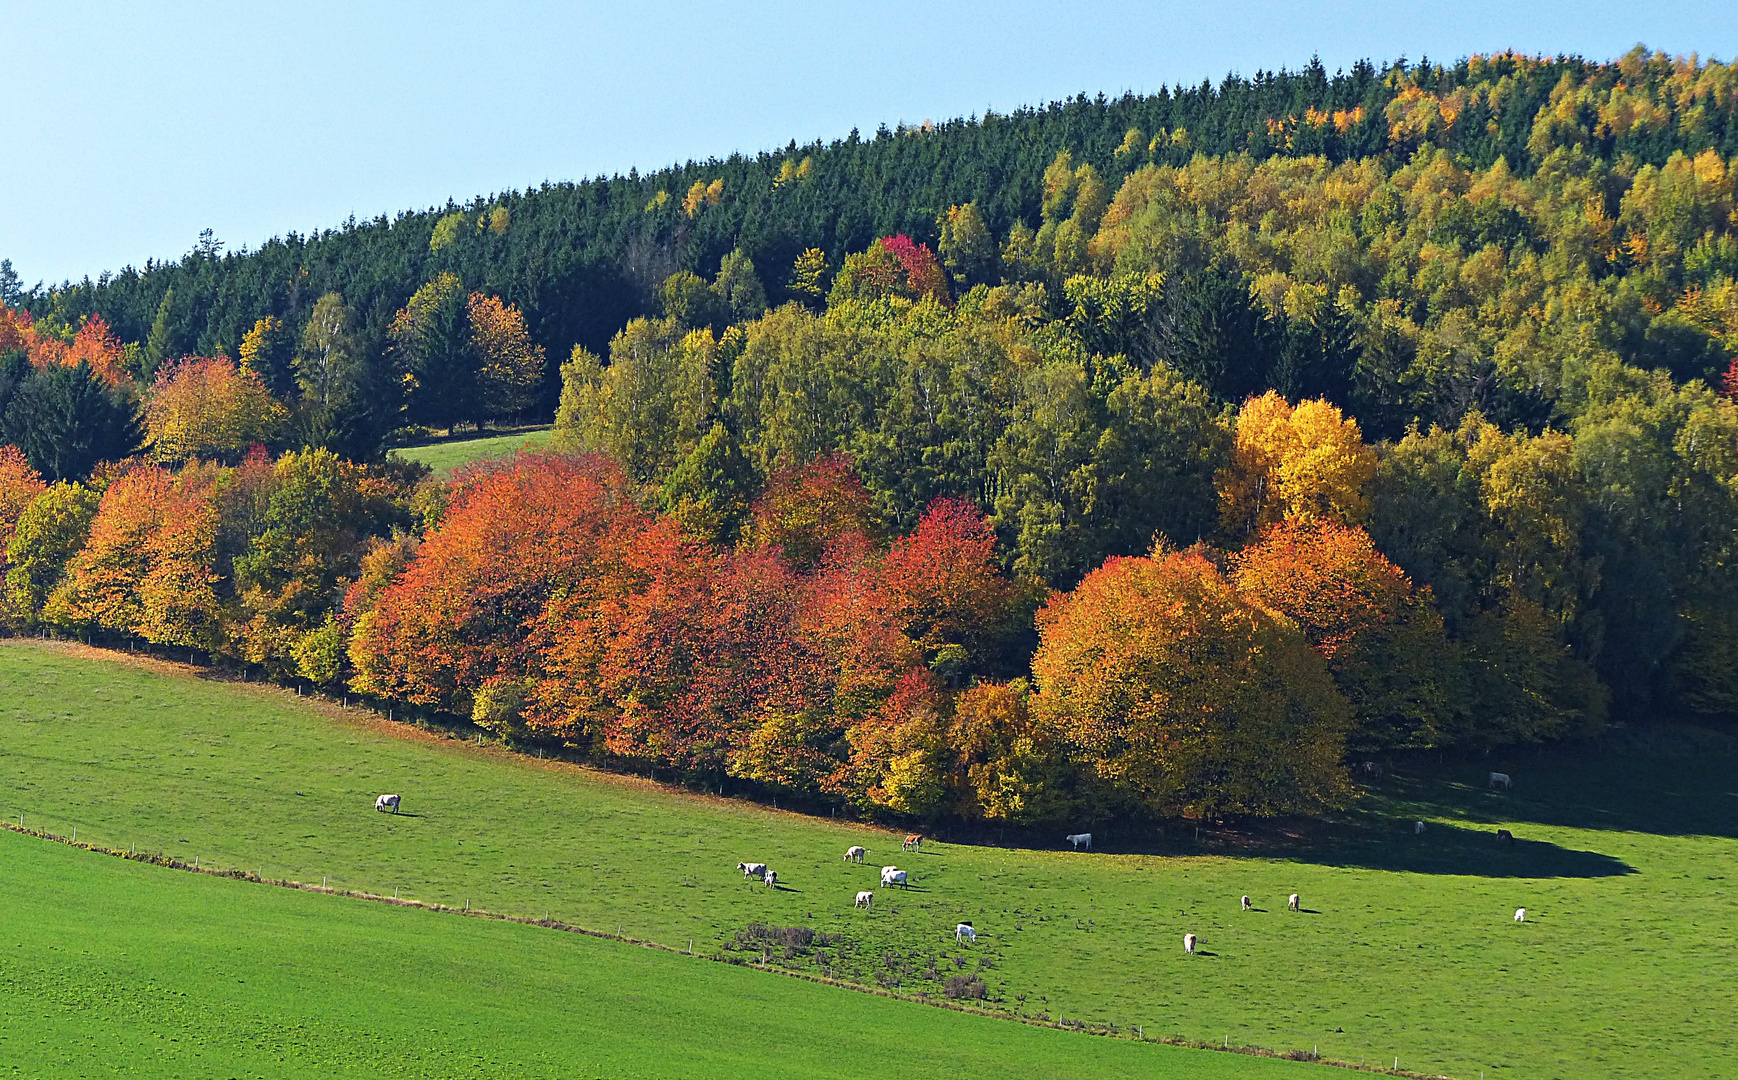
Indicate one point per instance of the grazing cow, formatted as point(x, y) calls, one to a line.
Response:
point(914, 842)
point(1291, 902)
point(1504, 836)
point(964, 930)
point(1501, 779)
point(1080, 840)
point(1418, 828)
point(1520, 914)
point(893, 875)
point(856, 854)
point(1246, 904)
point(772, 879)
point(386, 802)
point(866, 900)
point(1372, 769)
point(1189, 944)
point(752, 869)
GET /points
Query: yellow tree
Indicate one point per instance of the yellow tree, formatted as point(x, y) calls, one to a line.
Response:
point(1302, 464)
point(509, 365)
point(268, 351)
point(203, 407)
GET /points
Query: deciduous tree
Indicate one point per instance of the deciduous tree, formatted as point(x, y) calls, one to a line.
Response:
point(203, 407)
point(1187, 698)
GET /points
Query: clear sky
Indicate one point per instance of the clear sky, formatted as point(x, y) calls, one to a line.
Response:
point(129, 127)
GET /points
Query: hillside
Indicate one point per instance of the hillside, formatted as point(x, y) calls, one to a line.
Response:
point(1397, 953)
point(581, 258)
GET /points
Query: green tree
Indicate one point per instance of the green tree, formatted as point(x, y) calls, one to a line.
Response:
point(159, 344)
point(710, 491)
point(433, 347)
point(966, 247)
point(742, 293)
point(50, 531)
point(686, 298)
point(269, 351)
point(329, 363)
point(66, 420)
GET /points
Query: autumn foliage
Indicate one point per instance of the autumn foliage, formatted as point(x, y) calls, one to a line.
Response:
point(1295, 464)
point(1185, 697)
point(206, 407)
point(93, 343)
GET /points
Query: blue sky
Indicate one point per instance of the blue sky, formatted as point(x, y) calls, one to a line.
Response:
point(129, 127)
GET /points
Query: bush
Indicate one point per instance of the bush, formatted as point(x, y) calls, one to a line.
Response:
point(966, 986)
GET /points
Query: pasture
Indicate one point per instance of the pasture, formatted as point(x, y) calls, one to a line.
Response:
point(448, 454)
point(110, 966)
point(1404, 947)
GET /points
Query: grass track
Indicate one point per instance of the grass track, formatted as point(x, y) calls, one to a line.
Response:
point(1408, 948)
point(444, 457)
point(110, 967)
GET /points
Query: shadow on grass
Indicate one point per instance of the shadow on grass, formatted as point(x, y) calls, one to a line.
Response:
point(1667, 780)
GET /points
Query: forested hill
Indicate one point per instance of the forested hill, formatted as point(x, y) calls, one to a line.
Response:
point(580, 259)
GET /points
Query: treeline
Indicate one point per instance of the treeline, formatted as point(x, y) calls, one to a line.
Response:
point(783, 635)
point(452, 356)
point(581, 259)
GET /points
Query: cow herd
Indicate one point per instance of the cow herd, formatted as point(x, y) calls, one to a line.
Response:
point(893, 875)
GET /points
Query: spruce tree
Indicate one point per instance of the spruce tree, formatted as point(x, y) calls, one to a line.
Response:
point(66, 419)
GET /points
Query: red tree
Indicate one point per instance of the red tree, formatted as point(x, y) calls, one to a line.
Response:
point(942, 585)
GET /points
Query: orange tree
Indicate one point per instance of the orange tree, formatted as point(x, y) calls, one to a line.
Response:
point(1382, 639)
point(1186, 698)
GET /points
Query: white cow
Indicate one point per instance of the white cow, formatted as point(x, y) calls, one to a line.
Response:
point(1418, 828)
point(1520, 914)
point(1080, 840)
point(772, 879)
point(964, 931)
point(866, 900)
point(386, 802)
point(1291, 902)
point(855, 854)
point(1246, 904)
point(1501, 779)
point(1189, 944)
point(893, 875)
point(752, 869)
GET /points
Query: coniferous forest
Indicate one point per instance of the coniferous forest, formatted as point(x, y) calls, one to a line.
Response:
point(1150, 456)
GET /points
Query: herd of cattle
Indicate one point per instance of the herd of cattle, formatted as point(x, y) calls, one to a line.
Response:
point(893, 875)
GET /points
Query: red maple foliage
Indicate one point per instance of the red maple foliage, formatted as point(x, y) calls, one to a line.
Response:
point(941, 583)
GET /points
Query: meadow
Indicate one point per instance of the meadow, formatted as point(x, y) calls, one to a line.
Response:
point(1405, 948)
point(112, 967)
point(448, 454)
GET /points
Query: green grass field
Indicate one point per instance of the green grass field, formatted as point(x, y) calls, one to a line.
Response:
point(110, 967)
point(445, 456)
point(1406, 946)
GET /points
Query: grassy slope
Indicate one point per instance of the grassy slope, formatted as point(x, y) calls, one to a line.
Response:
point(1408, 946)
point(444, 457)
point(109, 966)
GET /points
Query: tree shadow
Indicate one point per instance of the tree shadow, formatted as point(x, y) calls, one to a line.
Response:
point(1665, 779)
point(1377, 842)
